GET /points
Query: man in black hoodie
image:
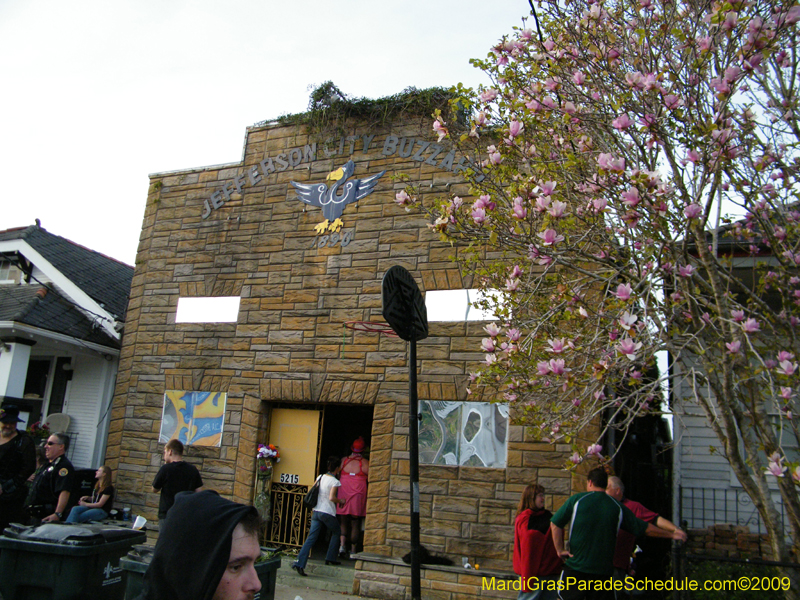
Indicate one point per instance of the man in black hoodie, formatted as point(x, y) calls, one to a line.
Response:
point(206, 550)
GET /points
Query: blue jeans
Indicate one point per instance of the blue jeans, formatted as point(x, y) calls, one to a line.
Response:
point(318, 521)
point(82, 514)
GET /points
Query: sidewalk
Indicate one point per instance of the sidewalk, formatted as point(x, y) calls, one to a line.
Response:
point(291, 592)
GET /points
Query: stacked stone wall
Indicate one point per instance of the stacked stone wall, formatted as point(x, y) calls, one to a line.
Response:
point(725, 540)
point(289, 344)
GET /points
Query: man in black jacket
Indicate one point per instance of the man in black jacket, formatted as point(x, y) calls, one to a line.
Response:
point(17, 463)
point(50, 495)
point(206, 550)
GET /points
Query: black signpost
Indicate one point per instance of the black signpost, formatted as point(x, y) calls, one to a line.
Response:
point(404, 309)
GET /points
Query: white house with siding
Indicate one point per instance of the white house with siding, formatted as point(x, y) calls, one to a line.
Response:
point(62, 309)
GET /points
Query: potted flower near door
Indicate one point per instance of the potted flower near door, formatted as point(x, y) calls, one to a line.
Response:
point(267, 455)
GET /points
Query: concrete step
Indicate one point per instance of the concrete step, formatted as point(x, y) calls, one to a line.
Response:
point(338, 579)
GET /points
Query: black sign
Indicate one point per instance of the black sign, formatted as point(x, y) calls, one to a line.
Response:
point(403, 305)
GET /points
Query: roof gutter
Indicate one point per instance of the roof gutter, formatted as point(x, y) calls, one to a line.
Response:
point(28, 330)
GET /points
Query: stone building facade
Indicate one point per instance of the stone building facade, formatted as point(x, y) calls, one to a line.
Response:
point(239, 230)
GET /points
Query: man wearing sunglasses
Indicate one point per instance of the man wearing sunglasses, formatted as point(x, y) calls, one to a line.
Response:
point(52, 487)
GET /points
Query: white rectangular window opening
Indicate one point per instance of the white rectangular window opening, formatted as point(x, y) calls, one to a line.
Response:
point(456, 306)
point(223, 309)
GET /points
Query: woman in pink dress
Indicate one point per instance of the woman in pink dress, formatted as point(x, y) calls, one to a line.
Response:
point(353, 477)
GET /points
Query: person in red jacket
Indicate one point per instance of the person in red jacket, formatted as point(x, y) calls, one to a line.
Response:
point(535, 558)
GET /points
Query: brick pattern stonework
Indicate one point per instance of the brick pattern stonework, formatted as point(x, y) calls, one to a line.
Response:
point(725, 540)
point(289, 344)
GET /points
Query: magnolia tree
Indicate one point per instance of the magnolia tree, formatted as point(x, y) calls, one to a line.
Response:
point(634, 194)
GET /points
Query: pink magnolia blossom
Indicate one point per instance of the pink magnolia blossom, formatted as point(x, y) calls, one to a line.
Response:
point(608, 162)
point(796, 474)
point(693, 156)
point(516, 272)
point(787, 368)
point(671, 101)
point(685, 270)
point(550, 237)
point(599, 204)
point(787, 393)
point(630, 197)
point(731, 19)
point(490, 359)
point(542, 203)
point(775, 466)
point(557, 366)
point(518, 210)
point(627, 320)
point(578, 78)
point(547, 188)
point(478, 215)
point(542, 368)
point(733, 347)
point(485, 201)
point(751, 326)
point(785, 355)
point(402, 198)
point(692, 211)
point(556, 346)
point(738, 315)
point(622, 122)
point(624, 291)
point(493, 329)
point(594, 450)
point(514, 129)
point(514, 335)
point(791, 16)
point(440, 129)
point(488, 95)
point(512, 285)
point(629, 348)
point(575, 459)
point(487, 345)
point(557, 209)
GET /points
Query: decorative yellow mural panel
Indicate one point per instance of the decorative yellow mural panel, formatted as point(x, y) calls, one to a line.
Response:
point(194, 418)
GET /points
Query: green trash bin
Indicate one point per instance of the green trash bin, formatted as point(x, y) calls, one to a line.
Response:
point(64, 562)
point(138, 559)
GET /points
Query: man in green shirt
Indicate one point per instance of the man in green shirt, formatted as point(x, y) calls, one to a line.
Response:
point(593, 524)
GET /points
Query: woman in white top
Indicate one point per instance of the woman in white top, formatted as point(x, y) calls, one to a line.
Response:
point(323, 515)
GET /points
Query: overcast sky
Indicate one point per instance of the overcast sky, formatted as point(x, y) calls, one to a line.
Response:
point(96, 95)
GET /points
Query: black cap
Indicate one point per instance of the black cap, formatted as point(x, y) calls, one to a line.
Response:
point(9, 414)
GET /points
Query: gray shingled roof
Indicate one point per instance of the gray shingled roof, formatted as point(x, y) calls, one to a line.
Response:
point(105, 280)
point(46, 309)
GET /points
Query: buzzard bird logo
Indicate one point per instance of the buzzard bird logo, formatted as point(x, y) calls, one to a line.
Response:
point(333, 200)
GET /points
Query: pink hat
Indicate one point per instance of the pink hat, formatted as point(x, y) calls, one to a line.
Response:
point(358, 445)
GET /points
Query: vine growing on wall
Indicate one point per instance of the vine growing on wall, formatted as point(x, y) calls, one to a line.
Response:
point(329, 109)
